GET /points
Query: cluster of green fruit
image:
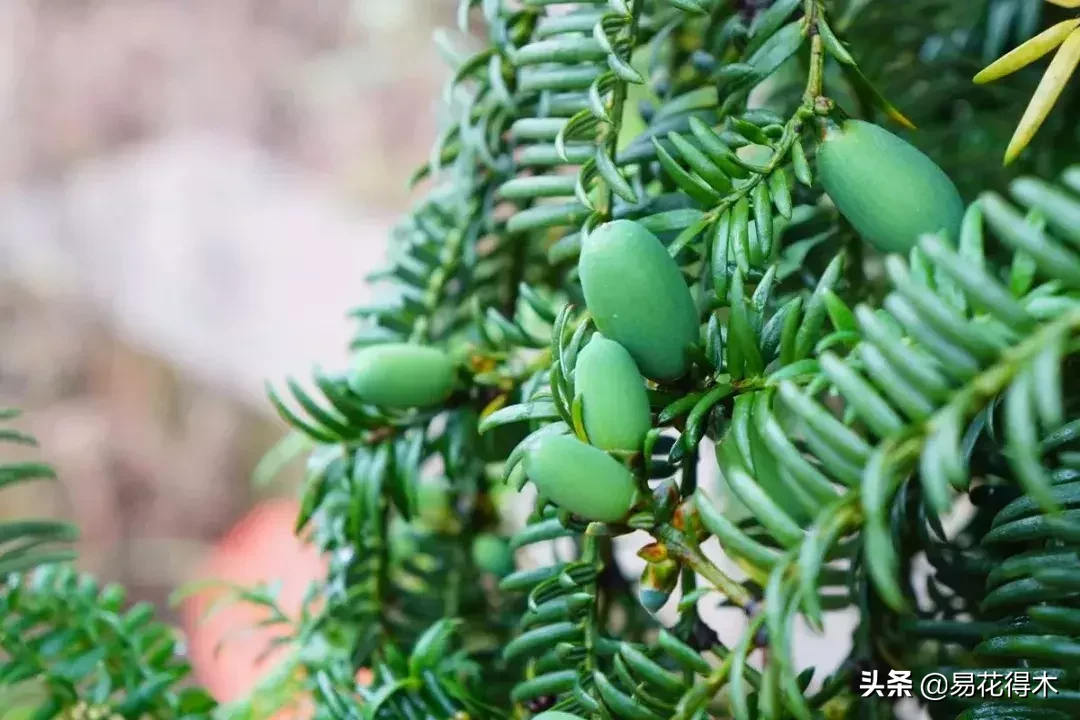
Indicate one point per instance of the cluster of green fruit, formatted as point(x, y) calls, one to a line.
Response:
point(648, 325)
point(647, 319)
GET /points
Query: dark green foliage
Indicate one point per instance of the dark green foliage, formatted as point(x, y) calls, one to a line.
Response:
point(872, 416)
point(70, 641)
point(67, 643)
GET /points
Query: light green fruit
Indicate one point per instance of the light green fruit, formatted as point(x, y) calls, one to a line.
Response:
point(638, 298)
point(401, 375)
point(614, 401)
point(492, 554)
point(887, 189)
point(580, 478)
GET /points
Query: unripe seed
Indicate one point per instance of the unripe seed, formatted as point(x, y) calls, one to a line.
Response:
point(581, 479)
point(638, 298)
point(614, 401)
point(887, 189)
point(492, 554)
point(402, 375)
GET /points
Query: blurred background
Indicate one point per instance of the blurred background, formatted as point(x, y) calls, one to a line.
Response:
point(191, 194)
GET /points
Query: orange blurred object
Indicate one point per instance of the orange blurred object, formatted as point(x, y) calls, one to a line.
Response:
point(261, 548)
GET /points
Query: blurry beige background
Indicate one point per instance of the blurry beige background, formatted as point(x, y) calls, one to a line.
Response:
point(190, 196)
point(191, 193)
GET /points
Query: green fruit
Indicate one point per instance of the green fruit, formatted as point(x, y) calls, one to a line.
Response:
point(614, 402)
point(492, 554)
point(580, 478)
point(889, 191)
point(401, 375)
point(638, 298)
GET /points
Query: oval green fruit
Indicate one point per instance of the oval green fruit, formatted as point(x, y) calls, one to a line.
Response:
point(887, 189)
point(402, 375)
point(580, 478)
point(614, 402)
point(492, 554)
point(638, 298)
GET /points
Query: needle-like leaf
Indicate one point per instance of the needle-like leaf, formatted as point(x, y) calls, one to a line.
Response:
point(1050, 88)
point(1028, 53)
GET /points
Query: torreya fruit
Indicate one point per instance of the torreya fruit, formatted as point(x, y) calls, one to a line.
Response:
point(492, 554)
point(402, 375)
point(580, 478)
point(887, 189)
point(637, 296)
point(614, 402)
